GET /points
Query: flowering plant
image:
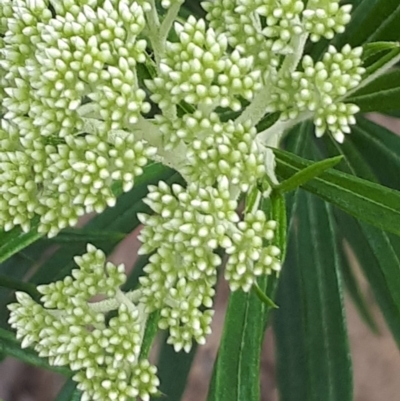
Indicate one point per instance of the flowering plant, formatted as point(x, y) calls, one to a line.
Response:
point(178, 117)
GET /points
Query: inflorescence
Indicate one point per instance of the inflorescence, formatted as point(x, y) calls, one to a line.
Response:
point(90, 91)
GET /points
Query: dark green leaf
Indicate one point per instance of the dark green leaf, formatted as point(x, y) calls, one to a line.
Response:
point(16, 240)
point(67, 392)
point(173, 371)
point(236, 374)
point(372, 21)
point(149, 333)
point(382, 270)
point(381, 148)
point(18, 285)
point(377, 268)
point(382, 94)
point(303, 176)
point(313, 358)
point(373, 203)
point(353, 288)
point(371, 49)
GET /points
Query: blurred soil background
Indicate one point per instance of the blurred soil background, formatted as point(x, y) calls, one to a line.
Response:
point(376, 359)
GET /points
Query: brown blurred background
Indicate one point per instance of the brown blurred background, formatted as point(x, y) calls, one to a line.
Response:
point(376, 359)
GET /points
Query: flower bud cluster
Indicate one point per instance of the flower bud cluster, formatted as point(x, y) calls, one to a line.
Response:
point(199, 70)
point(188, 227)
point(68, 81)
point(215, 148)
point(68, 331)
point(283, 21)
point(319, 88)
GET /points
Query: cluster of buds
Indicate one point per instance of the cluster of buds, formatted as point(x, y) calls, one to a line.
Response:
point(62, 77)
point(70, 331)
point(188, 227)
point(319, 88)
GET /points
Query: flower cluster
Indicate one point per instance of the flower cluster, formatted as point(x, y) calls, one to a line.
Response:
point(215, 149)
point(62, 77)
point(319, 87)
point(70, 331)
point(189, 226)
point(285, 20)
point(199, 70)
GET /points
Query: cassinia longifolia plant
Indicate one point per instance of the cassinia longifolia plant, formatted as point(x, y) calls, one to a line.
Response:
point(79, 117)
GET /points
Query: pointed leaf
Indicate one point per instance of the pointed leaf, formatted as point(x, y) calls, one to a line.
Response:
point(382, 94)
point(303, 176)
point(373, 203)
point(313, 358)
point(236, 374)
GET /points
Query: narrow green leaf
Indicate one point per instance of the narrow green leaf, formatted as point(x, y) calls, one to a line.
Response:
point(79, 235)
point(149, 333)
point(382, 94)
point(303, 176)
point(67, 392)
point(16, 240)
point(236, 374)
point(381, 148)
point(370, 202)
point(173, 371)
point(379, 277)
point(313, 358)
point(372, 21)
point(278, 214)
point(371, 49)
point(18, 285)
point(380, 67)
point(355, 292)
point(385, 248)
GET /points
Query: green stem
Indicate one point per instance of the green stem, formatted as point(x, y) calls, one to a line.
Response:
point(274, 133)
point(169, 19)
point(292, 60)
point(256, 110)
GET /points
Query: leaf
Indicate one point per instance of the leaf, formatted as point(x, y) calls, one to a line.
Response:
point(149, 333)
point(371, 49)
point(382, 270)
point(382, 94)
point(303, 176)
point(354, 290)
point(16, 240)
point(236, 374)
point(372, 21)
point(378, 276)
point(173, 371)
point(370, 202)
point(67, 392)
point(381, 148)
point(18, 285)
point(313, 358)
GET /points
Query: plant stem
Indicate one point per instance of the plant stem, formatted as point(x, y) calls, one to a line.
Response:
point(168, 21)
point(292, 60)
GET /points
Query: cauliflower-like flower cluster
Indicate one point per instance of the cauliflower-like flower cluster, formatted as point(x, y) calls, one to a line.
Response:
point(105, 356)
point(189, 225)
point(62, 77)
point(319, 87)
